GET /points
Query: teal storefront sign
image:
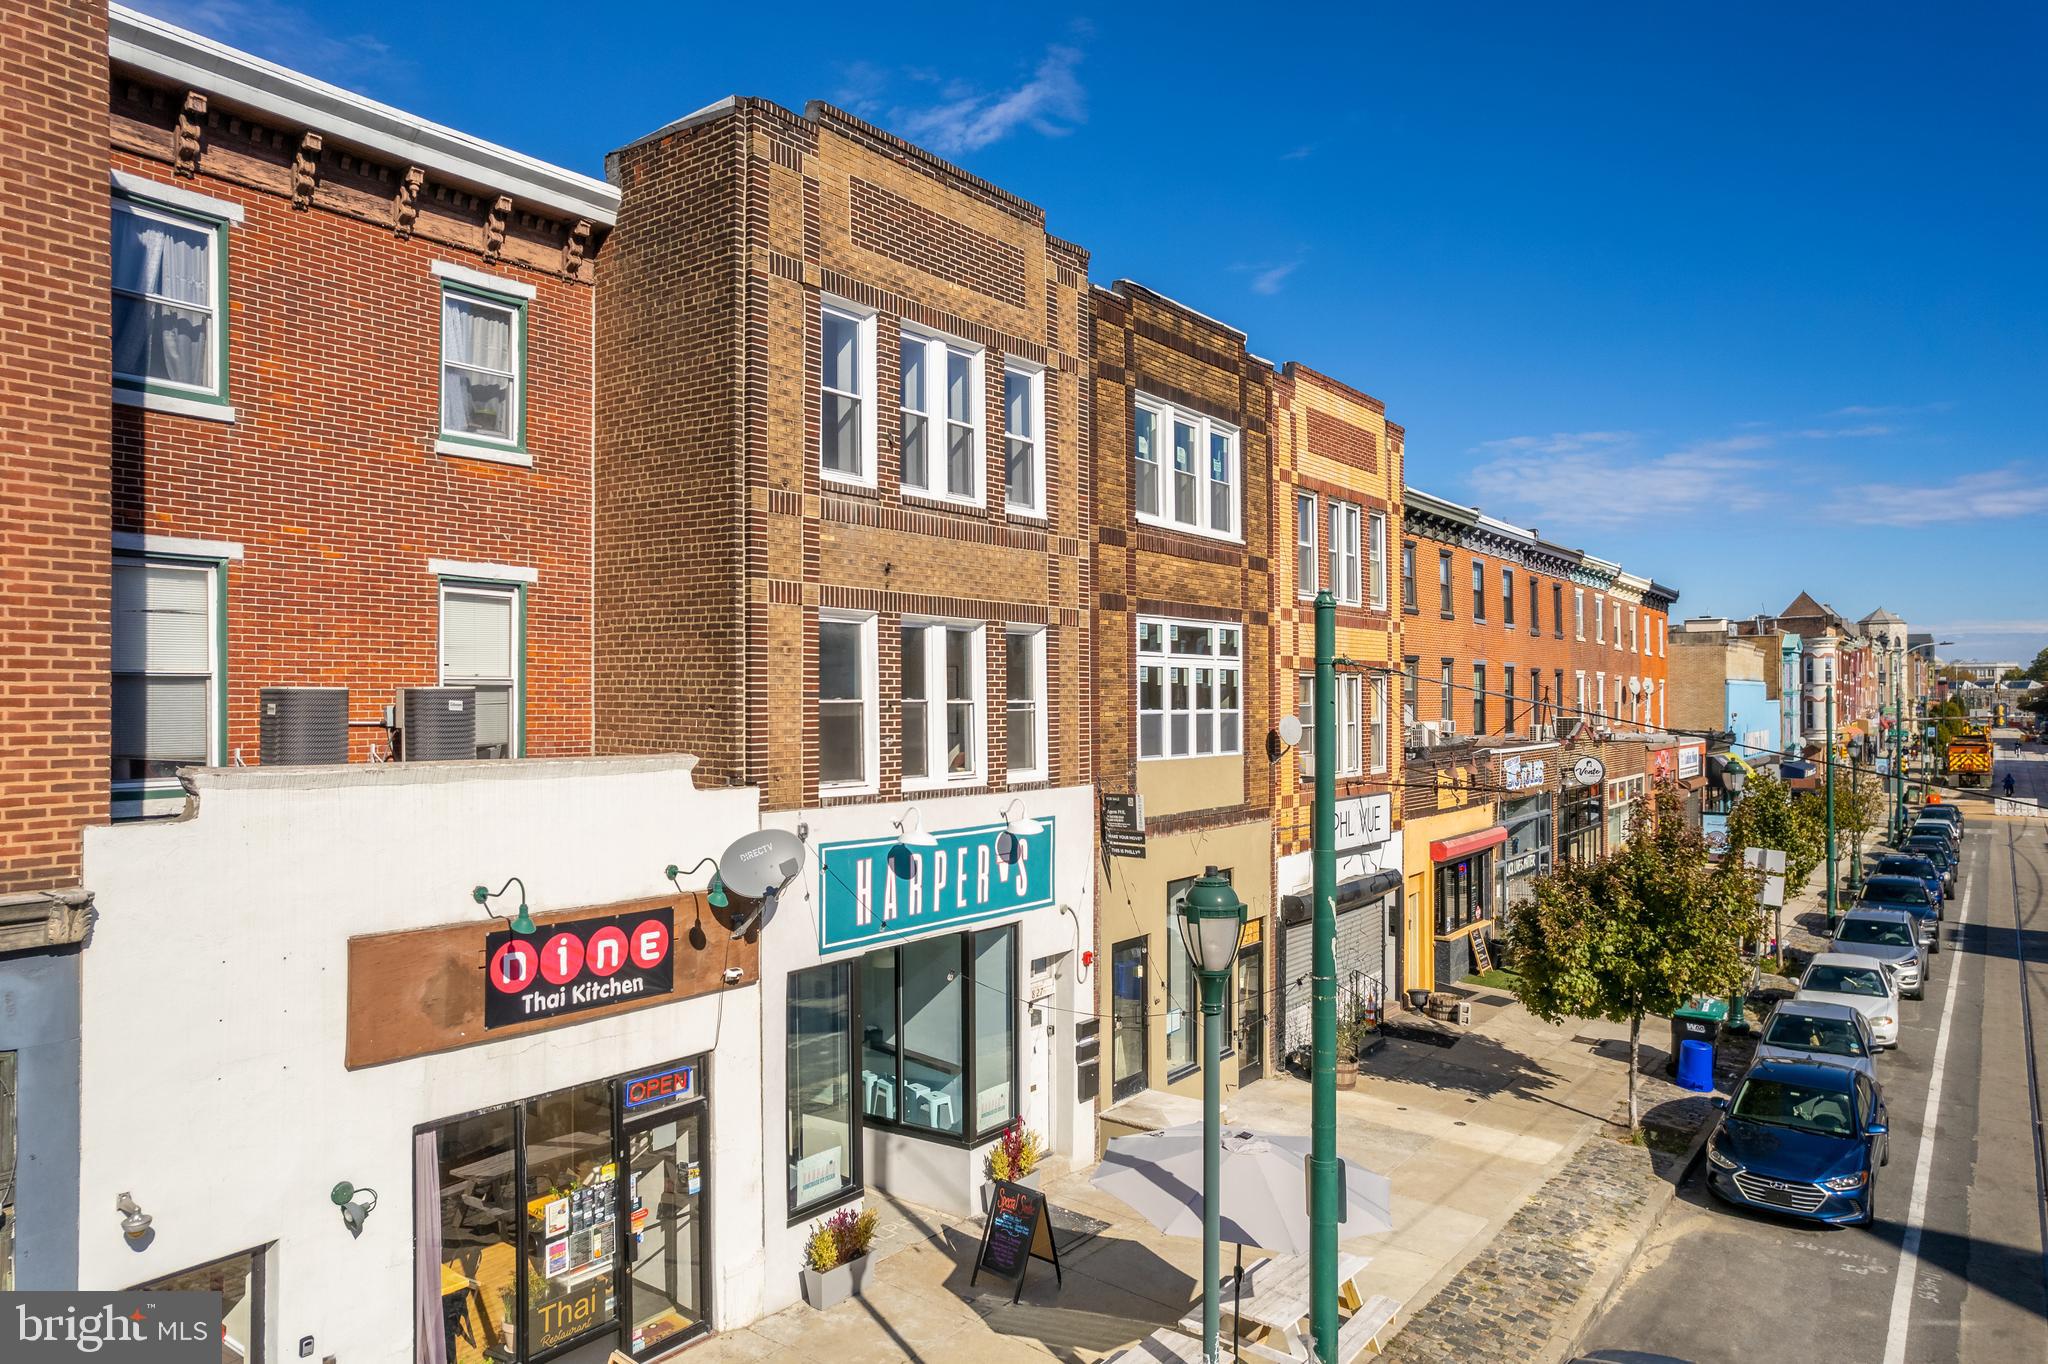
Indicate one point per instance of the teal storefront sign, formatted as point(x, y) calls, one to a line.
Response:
point(875, 890)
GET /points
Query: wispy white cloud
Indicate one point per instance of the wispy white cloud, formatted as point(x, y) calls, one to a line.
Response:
point(1868, 430)
point(1274, 278)
point(1298, 154)
point(1611, 478)
point(1559, 442)
point(1890, 409)
point(966, 118)
point(1992, 495)
point(288, 35)
point(1991, 627)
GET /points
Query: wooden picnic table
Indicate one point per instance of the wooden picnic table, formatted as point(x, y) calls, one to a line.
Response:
point(1277, 1295)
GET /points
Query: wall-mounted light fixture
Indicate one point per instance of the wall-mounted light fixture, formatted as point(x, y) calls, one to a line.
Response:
point(354, 1212)
point(1017, 824)
point(522, 922)
point(134, 1221)
point(716, 894)
point(910, 831)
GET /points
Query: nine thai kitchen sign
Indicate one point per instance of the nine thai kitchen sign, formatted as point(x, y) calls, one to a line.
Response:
point(566, 968)
point(875, 890)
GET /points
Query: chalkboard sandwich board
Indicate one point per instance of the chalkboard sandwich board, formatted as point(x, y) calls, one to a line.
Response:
point(1019, 1231)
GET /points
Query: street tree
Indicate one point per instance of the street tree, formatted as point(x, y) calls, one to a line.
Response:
point(1859, 812)
point(1641, 932)
point(2037, 671)
point(1768, 817)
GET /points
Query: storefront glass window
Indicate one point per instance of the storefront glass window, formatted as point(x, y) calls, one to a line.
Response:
point(1182, 1014)
point(474, 1250)
point(878, 1043)
point(8, 1072)
point(572, 1204)
point(1580, 844)
point(821, 1137)
point(934, 1038)
point(994, 1033)
point(1462, 891)
point(1526, 854)
point(239, 1281)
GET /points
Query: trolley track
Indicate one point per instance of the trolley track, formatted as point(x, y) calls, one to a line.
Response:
point(2020, 915)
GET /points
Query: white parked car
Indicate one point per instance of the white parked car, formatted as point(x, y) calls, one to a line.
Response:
point(1864, 984)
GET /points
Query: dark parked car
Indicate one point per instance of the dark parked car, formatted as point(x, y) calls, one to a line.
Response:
point(1920, 868)
point(1939, 853)
point(1952, 813)
point(1941, 829)
point(1801, 1137)
point(1911, 894)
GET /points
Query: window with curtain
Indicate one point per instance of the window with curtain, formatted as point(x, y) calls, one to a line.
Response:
point(166, 309)
point(844, 380)
point(822, 1138)
point(466, 1173)
point(1024, 440)
point(166, 669)
point(480, 649)
point(844, 697)
point(1024, 683)
point(480, 367)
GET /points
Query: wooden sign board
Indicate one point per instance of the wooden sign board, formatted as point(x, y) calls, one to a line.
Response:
point(1480, 954)
point(1019, 1230)
point(422, 991)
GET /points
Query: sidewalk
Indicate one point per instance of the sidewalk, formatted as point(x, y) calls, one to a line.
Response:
point(1466, 1134)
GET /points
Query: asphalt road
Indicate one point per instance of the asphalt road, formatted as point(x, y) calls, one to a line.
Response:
point(1954, 1268)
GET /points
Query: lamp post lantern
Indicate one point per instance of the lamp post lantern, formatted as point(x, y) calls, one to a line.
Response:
point(1212, 926)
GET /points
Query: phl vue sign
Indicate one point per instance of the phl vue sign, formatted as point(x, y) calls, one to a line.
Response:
point(874, 890)
point(565, 968)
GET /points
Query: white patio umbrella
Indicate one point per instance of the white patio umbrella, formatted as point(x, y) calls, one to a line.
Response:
point(1264, 1185)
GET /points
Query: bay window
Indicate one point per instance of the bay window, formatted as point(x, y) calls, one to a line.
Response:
point(1203, 483)
point(1189, 684)
point(941, 413)
point(1344, 574)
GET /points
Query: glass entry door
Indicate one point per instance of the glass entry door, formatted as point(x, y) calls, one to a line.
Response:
point(666, 1280)
point(1251, 1013)
point(1127, 1040)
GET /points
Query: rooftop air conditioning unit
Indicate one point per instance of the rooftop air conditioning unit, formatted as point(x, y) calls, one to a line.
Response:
point(300, 726)
point(1422, 735)
point(436, 724)
point(1568, 728)
point(1446, 726)
point(1542, 732)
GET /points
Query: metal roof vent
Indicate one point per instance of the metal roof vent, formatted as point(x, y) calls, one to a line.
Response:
point(436, 724)
point(300, 726)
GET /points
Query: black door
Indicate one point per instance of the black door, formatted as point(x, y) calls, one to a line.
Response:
point(1251, 1013)
point(666, 1277)
point(1127, 1035)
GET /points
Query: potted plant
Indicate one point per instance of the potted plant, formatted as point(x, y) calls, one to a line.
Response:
point(1014, 1157)
point(1350, 1033)
point(836, 1257)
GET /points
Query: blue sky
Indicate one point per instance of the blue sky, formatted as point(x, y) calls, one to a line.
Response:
point(1751, 298)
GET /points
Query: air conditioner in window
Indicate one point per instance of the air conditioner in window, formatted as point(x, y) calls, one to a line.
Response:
point(1446, 726)
point(1422, 735)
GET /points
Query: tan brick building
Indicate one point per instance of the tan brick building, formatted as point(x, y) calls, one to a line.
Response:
point(1183, 478)
point(845, 486)
point(1336, 521)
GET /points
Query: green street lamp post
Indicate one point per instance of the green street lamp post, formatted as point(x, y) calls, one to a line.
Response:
point(1212, 926)
point(1325, 1169)
point(1834, 878)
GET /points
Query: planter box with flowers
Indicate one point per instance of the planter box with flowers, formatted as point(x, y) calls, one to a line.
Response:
point(1014, 1158)
point(836, 1260)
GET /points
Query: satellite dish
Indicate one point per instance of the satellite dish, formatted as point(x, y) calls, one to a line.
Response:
point(1635, 686)
point(759, 863)
point(1290, 730)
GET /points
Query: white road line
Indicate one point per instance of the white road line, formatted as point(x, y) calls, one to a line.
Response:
point(1916, 1210)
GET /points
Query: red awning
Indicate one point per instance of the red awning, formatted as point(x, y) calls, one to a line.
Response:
point(1443, 850)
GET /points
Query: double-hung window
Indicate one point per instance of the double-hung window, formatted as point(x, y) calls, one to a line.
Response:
point(1443, 583)
point(1600, 694)
point(1376, 559)
point(167, 674)
point(1198, 490)
point(1190, 678)
point(169, 308)
point(1633, 639)
point(1305, 579)
point(483, 362)
point(1024, 685)
point(942, 691)
point(1579, 705)
point(1478, 590)
point(1507, 596)
point(1344, 574)
point(1379, 724)
point(1411, 689)
point(1557, 610)
point(1444, 686)
point(1599, 619)
point(941, 413)
point(481, 628)
point(1579, 612)
point(1535, 606)
point(1305, 711)
point(1507, 687)
point(846, 702)
point(1024, 440)
point(1408, 575)
point(1349, 740)
point(846, 386)
point(1479, 698)
point(1617, 625)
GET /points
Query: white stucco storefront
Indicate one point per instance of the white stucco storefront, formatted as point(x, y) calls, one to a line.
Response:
point(915, 1000)
point(1368, 917)
point(288, 991)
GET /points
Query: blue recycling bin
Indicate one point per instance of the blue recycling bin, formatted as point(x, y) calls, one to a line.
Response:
point(1696, 1066)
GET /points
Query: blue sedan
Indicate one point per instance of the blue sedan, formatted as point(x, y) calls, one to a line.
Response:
point(1802, 1138)
point(1915, 865)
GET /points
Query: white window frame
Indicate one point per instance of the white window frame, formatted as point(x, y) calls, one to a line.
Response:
point(515, 597)
point(134, 796)
point(1165, 414)
point(871, 743)
point(1350, 726)
point(937, 703)
point(1034, 377)
point(1379, 724)
point(449, 442)
point(938, 351)
point(1042, 714)
point(864, 321)
point(1376, 559)
point(1660, 703)
point(1617, 627)
point(1600, 688)
point(1346, 550)
point(1164, 657)
point(1306, 529)
point(1507, 597)
point(1634, 638)
point(1599, 618)
point(140, 386)
point(1662, 633)
point(1305, 711)
point(1579, 687)
point(1579, 612)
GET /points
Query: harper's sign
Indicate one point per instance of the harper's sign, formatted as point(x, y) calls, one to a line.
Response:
point(566, 968)
point(1365, 821)
point(1520, 774)
point(876, 890)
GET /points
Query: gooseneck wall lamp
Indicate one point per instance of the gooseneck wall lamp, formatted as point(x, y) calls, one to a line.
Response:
point(522, 922)
point(354, 1211)
point(910, 831)
point(716, 894)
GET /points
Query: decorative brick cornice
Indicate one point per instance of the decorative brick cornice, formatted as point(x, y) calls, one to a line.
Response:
point(185, 144)
point(305, 170)
point(45, 919)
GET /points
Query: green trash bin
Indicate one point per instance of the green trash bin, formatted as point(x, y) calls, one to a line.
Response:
point(1698, 1021)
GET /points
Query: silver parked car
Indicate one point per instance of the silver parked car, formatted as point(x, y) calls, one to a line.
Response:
point(1869, 987)
point(1891, 937)
point(1811, 1030)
